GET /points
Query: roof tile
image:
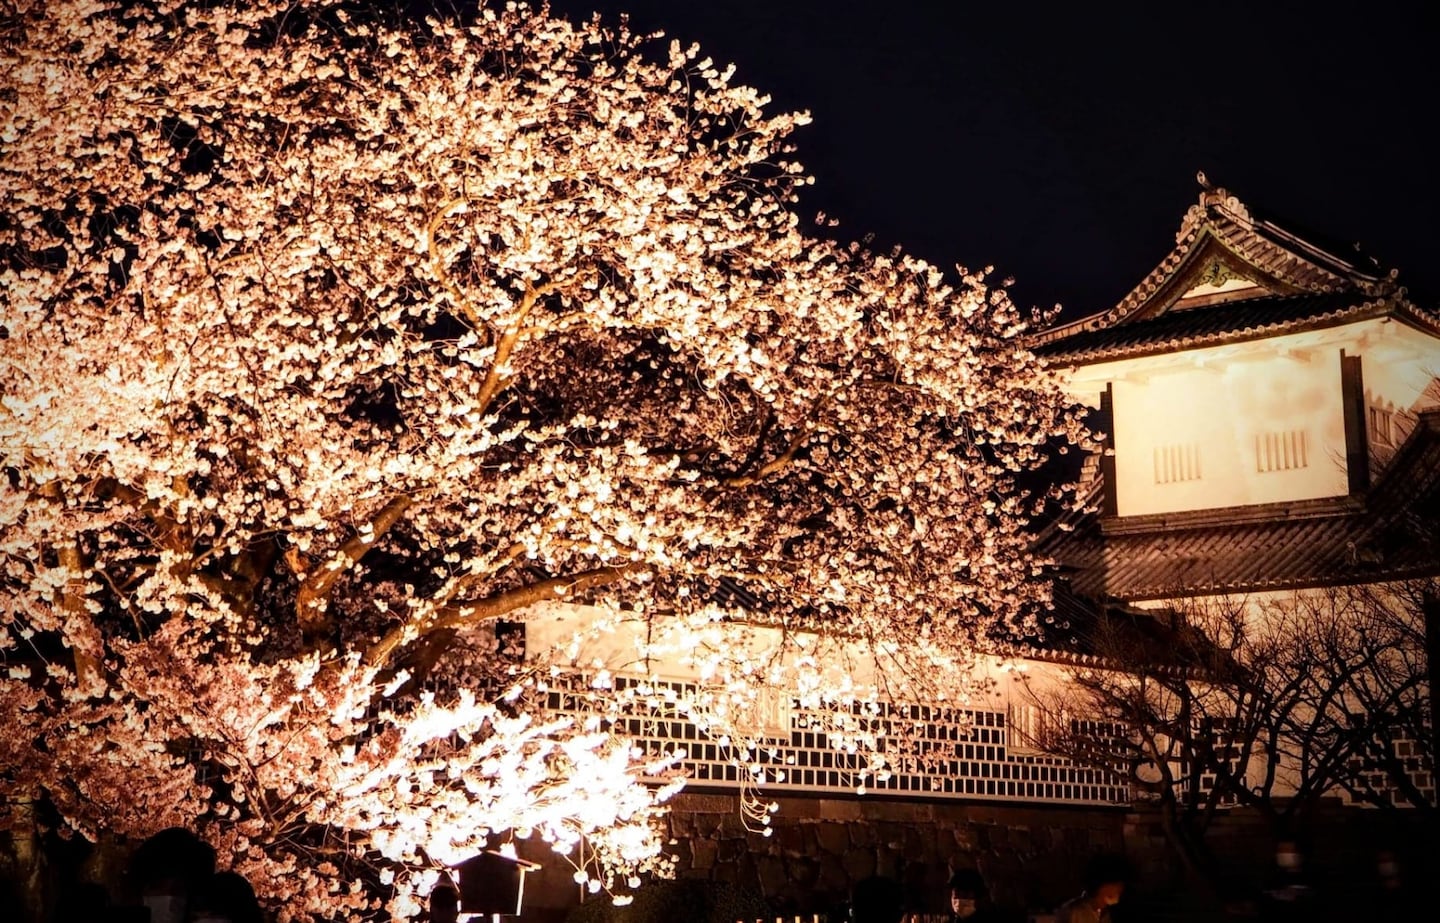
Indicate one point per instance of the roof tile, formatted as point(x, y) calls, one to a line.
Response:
point(1272, 546)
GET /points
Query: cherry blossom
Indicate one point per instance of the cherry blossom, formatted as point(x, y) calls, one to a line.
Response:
point(330, 343)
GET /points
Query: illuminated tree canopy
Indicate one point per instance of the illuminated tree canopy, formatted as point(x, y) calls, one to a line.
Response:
point(329, 343)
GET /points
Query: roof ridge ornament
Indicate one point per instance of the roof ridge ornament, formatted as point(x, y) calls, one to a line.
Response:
point(1218, 239)
point(1215, 201)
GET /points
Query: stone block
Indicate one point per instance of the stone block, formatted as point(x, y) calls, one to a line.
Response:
point(794, 839)
point(731, 826)
point(798, 809)
point(704, 826)
point(918, 843)
point(745, 869)
point(864, 834)
point(983, 841)
point(890, 834)
point(967, 838)
point(888, 862)
point(690, 803)
point(703, 854)
point(832, 878)
point(981, 814)
point(840, 810)
point(758, 844)
point(832, 838)
point(771, 873)
point(897, 811)
point(730, 850)
point(803, 871)
point(858, 863)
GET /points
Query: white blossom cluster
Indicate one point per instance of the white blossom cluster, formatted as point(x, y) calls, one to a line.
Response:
point(326, 343)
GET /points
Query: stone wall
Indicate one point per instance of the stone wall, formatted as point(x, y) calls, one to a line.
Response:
point(1031, 856)
point(1340, 845)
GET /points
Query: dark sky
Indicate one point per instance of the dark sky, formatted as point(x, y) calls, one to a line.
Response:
point(1059, 142)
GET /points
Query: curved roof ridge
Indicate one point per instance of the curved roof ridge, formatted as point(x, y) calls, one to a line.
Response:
point(1222, 225)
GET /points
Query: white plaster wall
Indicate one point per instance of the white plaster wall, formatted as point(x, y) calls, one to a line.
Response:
point(593, 639)
point(1216, 412)
point(1400, 366)
point(1216, 402)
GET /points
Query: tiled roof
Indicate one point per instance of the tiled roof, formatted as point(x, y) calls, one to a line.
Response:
point(1263, 245)
point(1085, 632)
point(1392, 533)
point(1223, 323)
point(1296, 284)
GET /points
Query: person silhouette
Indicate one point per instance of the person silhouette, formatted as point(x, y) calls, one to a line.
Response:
point(444, 904)
point(970, 899)
point(167, 869)
point(877, 900)
point(1104, 886)
point(225, 897)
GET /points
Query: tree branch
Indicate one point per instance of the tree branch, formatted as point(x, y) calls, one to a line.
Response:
point(781, 461)
point(497, 378)
point(494, 607)
point(80, 632)
point(310, 602)
point(438, 267)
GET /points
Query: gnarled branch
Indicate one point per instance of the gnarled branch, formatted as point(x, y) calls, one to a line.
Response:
point(80, 632)
point(310, 602)
point(497, 606)
point(497, 378)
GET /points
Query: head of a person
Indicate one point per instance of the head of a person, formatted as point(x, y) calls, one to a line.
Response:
point(1105, 878)
point(225, 897)
point(86, 902)
point(877, 900)
point(444, 903)
point(967, 892)
point(1287, 855)
point(167, 869)
point(1388, 865)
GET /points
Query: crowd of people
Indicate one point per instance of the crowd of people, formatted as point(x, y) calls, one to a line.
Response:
point(171, 878)
point(1287, 895)
point(878, 899)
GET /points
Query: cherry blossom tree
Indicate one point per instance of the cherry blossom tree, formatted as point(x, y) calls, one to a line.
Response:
point(330, 343)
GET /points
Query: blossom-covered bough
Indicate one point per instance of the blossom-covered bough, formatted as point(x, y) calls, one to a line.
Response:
point(330, 344)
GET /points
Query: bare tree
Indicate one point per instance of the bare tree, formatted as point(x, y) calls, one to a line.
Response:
point(1365, 707)
point(1271, 704)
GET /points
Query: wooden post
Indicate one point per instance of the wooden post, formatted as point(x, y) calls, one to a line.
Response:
point(1357, 442)
point(1109, 503)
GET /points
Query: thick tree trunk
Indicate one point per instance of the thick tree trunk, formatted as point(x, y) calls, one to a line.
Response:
point(23, 869)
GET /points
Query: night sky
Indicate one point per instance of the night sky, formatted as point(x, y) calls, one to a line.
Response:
point(1061, 145)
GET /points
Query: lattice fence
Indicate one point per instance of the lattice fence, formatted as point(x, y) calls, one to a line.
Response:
point(931, 752)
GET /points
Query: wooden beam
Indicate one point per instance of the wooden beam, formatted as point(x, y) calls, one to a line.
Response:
point(1105, 421)
point(1357, 447)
